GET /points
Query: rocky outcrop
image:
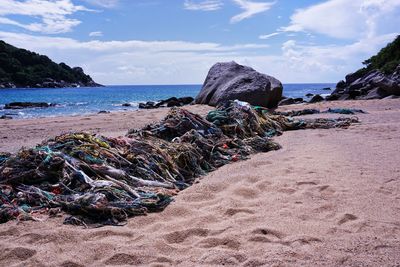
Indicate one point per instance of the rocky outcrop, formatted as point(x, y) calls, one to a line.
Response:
point(316, 98)
point(5, 117)
point(230, 81)
point(372, 85)
point(290, 101)
point(22, 105)
point(170, 102)
point(380, 78)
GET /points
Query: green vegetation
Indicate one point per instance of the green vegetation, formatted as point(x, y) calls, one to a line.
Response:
point(386, 60)
point(25, 68)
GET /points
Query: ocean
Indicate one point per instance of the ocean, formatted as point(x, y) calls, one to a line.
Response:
point(78, 101)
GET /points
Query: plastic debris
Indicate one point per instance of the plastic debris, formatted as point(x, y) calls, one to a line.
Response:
point(346, 111)
point(103, 181)
point(295, 113)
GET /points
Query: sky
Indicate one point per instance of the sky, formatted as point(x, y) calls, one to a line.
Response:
point(177, 41)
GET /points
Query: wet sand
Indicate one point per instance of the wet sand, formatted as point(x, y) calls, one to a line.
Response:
point(327, 198)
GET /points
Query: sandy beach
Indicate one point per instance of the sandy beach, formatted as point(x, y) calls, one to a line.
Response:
point(327, 198)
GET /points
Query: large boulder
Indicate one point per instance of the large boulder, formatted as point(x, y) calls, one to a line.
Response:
point(229, 81)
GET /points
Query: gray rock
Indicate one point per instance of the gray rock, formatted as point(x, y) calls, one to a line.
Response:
point(170, 102)
point(350, 78)
point(286, 101)
point(316, 98)
point(332, 97)
point(371, 85)
point(390, 86)
point(230, 81)
point(290, 101)
point(376, 93)
point(5, 117)
point(175, 102)
point(22, 105)
point(147, 105)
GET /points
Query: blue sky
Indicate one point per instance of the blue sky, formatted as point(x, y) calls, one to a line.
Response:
point(177, 41)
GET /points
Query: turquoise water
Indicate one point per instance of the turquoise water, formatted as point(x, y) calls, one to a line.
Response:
point(76, 101)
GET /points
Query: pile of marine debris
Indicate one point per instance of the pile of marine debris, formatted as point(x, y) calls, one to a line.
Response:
point(101, 180)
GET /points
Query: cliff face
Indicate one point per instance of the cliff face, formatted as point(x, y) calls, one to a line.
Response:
point(22, 68)
point(379, 78)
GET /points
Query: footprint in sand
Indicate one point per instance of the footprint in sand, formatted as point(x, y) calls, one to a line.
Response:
point(109, 233)
point(300, 240)
point(347, 218)
point(254, 263)
point(266, 235)
point(198, 197)
point(180, 236)
point(260, 164)
point(232, 212)
point(124, 259)
point(216, 258)
point(10, 232)
point(18, 254)
point(246, 193)
point(287, 190)
point(306, 183)
point(213, 242)
point(70, 264)
point(264, 185)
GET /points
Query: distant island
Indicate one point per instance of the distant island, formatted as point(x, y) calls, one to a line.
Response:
point(23, 68)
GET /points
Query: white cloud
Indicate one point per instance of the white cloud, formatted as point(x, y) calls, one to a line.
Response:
point(52, 14)
point(103, 3)
point(208, 5)
point(250, 9)
point(96, 34)
point(38, 42)
point(267, 36)
point(346, 19)
point(134, 61)
point(179, 62)
point(330, 60)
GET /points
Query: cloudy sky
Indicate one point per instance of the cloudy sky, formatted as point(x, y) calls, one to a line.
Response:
point(177, 41)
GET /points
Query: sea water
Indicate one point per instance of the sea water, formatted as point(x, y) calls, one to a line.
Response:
point(78, 101)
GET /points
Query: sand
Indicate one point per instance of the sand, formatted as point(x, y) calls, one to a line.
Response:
point(30, 132)
point(328, 198)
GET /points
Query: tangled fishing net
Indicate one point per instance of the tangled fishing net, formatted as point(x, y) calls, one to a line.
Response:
point(102, 181)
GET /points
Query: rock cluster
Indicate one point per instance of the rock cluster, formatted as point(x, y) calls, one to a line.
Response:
point(22, 105)
point(372, 85)
point(170, 102)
